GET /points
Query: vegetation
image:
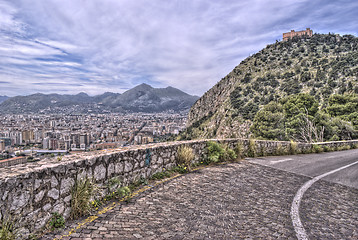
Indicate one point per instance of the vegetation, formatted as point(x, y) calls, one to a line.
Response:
point(219, 153)
point(185, 157)
point(82, 193)
point(57, 221)
point(304, 89)
point(7, 229)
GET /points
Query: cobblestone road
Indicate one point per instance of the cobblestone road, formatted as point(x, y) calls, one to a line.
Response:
point(232, 201)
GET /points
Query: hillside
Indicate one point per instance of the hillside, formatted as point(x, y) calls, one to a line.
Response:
point(142, 98)
point(320, 66)
point(3, 98)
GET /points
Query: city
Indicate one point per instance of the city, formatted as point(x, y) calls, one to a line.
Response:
point(33, 136)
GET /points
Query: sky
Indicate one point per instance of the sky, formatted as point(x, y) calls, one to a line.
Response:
point(97, 46)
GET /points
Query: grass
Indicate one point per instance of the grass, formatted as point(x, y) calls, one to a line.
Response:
point(82, 192)
point(185, 157)
point(8, 229)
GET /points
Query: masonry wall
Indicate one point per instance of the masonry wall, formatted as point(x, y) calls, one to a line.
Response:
point(33, 191)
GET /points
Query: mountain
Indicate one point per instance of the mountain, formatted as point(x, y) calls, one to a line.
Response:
point(142, 98)
point(258, 96)
point(3, 98)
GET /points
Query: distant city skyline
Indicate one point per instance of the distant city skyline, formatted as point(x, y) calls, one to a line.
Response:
point(73, 46)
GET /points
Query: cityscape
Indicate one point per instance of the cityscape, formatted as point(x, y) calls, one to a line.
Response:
point(35, 136)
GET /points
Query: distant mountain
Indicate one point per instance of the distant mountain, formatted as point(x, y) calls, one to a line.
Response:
point(142, 98)
point(3, 98)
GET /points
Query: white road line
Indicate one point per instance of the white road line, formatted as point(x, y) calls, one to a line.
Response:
point(296, 221)
point(283, 160)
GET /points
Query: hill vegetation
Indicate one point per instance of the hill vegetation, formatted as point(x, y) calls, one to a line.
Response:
point(304, 89)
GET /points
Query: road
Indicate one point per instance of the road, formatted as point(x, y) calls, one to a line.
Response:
point(313, 165)
point(252, 199)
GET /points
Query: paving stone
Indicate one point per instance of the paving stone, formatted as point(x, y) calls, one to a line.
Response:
point(231, 201)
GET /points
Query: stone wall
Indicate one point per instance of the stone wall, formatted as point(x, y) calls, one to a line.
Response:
point(33, 191)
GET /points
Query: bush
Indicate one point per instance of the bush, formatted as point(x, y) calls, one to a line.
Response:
point(293, 147)
point(280, 150)
point(316, 148)
point(57, 221)
point(185, 156)
point(240, 150)
point(252, 152)
point(82, 192)
point(215, 151)
point(123, 192)
point(219, 153)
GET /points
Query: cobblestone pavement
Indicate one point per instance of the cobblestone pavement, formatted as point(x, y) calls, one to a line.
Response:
point(232, 201)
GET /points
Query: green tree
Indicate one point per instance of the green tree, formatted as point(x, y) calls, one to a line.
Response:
point(269, 122)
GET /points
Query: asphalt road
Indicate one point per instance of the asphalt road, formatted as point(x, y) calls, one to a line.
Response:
point(313, 165)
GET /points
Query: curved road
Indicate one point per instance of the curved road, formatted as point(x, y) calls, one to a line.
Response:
point(247, 200)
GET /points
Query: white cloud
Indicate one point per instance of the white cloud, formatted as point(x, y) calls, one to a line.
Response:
point(113, 45)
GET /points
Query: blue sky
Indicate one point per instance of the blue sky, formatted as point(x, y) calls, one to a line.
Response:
point(72, 46)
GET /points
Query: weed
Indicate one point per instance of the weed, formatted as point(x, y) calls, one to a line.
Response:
point(280, 150)
point(344, 147)
point(57, 221)
point(317, 148)
point(252, 152)
point(185, 156)
point(8, 229)
point(293, 148)
point(160, 175)
point(82, 192)
point(240, 150)
point(123, 192)
point(179, 169)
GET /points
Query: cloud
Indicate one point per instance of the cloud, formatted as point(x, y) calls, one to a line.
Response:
point(75, 45)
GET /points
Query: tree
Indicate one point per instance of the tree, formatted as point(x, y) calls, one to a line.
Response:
point(269, 122)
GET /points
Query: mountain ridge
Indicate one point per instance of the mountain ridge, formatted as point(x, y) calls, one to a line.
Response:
point(141, 98)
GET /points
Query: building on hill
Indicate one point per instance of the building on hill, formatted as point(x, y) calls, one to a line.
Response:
point(308, 32)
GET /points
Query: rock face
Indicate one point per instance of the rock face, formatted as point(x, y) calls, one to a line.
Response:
point(322, 65)
point(142, 98)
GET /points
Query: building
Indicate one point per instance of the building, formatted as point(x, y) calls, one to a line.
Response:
point(27, 136)
point(308, 32)
point(2, 145)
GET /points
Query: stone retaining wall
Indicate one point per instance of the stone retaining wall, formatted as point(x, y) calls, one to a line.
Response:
point(33, 191)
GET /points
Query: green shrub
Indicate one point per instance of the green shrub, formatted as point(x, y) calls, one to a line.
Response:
point(229, 154)
point(317, 148)
point(344, 147)
point(240, 150)
point(8, 229)
point(215, 152)
point(123, 192)
point(252, 152)
point(218, 153)
point(185, 157)
point(293, 148)
point(82, 192)
point(57, 221)
point(280, 150)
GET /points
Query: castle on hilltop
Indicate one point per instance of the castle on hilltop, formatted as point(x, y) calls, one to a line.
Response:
point(308, 32)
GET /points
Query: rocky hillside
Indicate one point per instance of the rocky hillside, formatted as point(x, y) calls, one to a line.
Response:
point(320, 66)
point(142, 98)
